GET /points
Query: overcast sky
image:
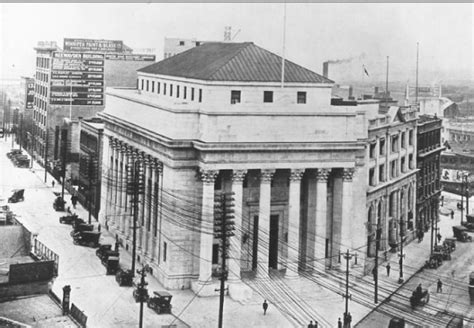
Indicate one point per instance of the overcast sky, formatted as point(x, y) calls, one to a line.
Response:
point(315, 32)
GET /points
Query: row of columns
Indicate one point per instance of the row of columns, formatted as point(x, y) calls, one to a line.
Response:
point(122, 160)
point(320, 177)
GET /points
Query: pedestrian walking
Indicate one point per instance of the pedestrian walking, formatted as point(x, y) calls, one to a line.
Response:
point(339, 323)
point(388, 269)
point(315, 324)
point(349, 320)
point(74, 200)
point(439, 289)
point(452, 215)
point(310, 324)
point(98, 227)
point(439, 237)
point(52, 183)
point(442, 200)
point(419, 236)
point(265, 307)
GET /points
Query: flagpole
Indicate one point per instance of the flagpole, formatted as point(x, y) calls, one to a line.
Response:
point(283, 51)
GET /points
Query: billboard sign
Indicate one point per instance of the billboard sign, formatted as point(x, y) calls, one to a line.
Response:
point(77, 79)
point(30, 93)
point(85, 45)
point(130, 57)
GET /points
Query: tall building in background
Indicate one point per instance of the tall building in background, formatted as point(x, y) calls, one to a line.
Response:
point(70, 85)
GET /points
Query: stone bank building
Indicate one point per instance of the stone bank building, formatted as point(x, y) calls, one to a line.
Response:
point(218, 118)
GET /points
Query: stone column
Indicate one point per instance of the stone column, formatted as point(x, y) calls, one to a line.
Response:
point(110, 182)
point(320, 234)
point(146, 206)
point(152, 238)
point(208, 178)
point(236, 241)
point(141, 203)
point(294, 223)
point(123, 157)
point(264, 223)
point(347, 214)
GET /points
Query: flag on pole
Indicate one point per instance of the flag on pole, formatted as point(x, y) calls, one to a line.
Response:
point(365, 70)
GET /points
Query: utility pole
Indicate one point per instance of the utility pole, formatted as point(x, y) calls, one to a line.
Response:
point(142, 292)
point(462, 196)
point(223, 229)
point(401, 255)
point(92, 177)
point(467, 194)
point(378, 235)
point(416, 83)
point(347, 296)
point(46, 158)
point(135, 188)
point(64, 157)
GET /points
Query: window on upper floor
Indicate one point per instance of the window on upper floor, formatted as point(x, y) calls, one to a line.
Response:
point(394, 168)
point(147, 85)
point(185, 89)
point(235, 96)
point(200, 95)
point(164, 89)
point(301, 97)
point(411, 164)
point(410, 138)
point(171, 90)
point(152, 86)
point(382, 146)
point(403, 140)
point(177, 91)
point(372, 148)
point(158, 87)
point(382, 173)
point(192, 94)
point(267, 96)
point(143, 84)
point(394, 143)
point(372, 177)
point(402, 164)
point(181, 43)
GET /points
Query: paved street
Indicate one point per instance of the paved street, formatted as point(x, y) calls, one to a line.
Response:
point(104, 302)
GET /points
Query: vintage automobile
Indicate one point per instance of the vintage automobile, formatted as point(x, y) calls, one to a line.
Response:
point(14, 152)
point(471, 287)
point(77, 222)
point(469, 222)
point(81, 228)
point(140, 294)
point(419, 297)
point(111, 265)
point(460, 233)
point(435, 260)
point(106, 251)
point(124, 277)
point(396, 323)
point(17, 196)
point(69, 219)
point(444, 250)
point(58, 204)
point(450, 242)
point(160, 302)
point(87, 238)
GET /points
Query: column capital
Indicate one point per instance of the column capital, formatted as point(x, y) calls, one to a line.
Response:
point(238, 176)
point(322, 175)
point(208, 176)
point(266, 175)
point(296, 174)
point(347, 174)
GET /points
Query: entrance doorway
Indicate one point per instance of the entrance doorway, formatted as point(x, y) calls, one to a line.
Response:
point(273, 247)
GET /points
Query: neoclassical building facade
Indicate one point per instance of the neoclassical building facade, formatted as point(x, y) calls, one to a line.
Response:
point(205, 122)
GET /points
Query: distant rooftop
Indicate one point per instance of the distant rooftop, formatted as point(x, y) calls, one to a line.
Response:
point(227, 61)
point(427, 118)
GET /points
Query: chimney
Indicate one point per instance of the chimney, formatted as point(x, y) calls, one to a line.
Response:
point(326, 69)
point(351, 91)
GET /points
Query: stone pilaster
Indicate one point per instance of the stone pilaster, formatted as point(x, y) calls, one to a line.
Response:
point(347, 214)
point(236, 241)
point(320, 234)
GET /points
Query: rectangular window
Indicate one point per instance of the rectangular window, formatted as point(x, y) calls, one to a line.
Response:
point(393, 169)
point(143, 83)
point(192, 93)
point(372, 150)
point(403, 140)
point(394, 146)
point(152, 86)
point(164, 89)
point(200, 95)
point(402, 164)
point(235, 96)
point(301, 97)
point(382, 146)
point(171, 90)
point(165, 250)
point(372, 177)
point(147, 85)
point(410, 138)
point(410, 161)
point(267, 96)
point(177, 91)
point(382, 173)
point(184, 92)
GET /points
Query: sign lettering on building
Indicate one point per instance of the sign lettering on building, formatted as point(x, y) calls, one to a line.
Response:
point(84, 45)
point(30, 94)
point(130, 57)
point(77, 79)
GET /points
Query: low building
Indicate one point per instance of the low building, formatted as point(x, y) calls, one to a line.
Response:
point(429, 174)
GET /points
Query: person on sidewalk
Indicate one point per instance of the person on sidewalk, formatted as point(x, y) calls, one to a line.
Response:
point(439, 237)
point(52, 183)
point(339, 323)
point(452, 215)
point(74, 201)
point(388, 269)
point(349, 320)
point(440, 286)
point(265, 307)
point(310, 324)
point(315, 324)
